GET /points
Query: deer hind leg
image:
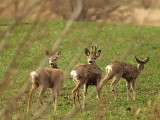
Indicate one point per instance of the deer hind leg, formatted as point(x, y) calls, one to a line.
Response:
point(128, 85)
point(133, 89)
point(33, 89)
point(75, 93)
point(78, 96)
point(84, 95)
point(114, 83)
point(104, 81)
point(43, 90)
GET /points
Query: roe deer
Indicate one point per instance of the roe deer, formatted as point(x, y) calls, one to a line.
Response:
point(86, 74)
point(129, 72)
point(47, 78)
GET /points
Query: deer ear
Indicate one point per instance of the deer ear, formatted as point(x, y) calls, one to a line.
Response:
point(98, 53)
point(87, 52)
point(47, 53)
point(138, 60)
point(145, 60)
point(58, 53)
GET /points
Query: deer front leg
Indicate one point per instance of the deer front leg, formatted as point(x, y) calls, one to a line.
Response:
point(33, 89)
point(43, 90)
point(128, 85)
point(113, 84)
point(84, 95)
point(98, 90)
point(55, 98)
point(134, 89)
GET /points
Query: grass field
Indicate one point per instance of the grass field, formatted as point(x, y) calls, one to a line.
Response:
point(23, 51)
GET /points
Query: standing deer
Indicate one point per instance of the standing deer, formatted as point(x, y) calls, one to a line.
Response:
point(129, 72)
point(47, 78)
point(86, 74)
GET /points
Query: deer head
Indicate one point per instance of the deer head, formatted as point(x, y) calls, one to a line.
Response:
point(53, 58)
point(141, 62)
point(93, 54)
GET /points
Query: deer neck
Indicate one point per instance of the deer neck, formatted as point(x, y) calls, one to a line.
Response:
point(139, 69)
point(55, 66)
point(94, 63)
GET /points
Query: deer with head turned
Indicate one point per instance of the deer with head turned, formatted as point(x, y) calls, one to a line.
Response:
point(119, 69)
point(86, 74)
point(47, 78)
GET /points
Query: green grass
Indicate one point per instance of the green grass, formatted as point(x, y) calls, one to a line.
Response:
point(117, 42)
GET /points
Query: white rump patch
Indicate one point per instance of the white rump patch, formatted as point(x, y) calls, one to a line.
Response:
point(109, 68)
point(33, 75)
point(73, 73)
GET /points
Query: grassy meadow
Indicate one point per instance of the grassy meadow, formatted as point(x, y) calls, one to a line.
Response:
point(22, 50)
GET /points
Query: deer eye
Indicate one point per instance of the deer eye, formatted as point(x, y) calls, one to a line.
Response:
point(54, 59)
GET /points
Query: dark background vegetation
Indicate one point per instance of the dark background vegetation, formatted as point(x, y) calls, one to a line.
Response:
point(124, 11)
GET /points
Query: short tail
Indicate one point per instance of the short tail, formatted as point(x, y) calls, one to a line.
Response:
point(34, 75)
point(108, 69)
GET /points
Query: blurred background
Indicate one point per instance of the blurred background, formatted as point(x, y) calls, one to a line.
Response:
point(145, 12)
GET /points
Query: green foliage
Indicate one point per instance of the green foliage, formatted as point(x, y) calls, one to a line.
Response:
point(117, 42)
